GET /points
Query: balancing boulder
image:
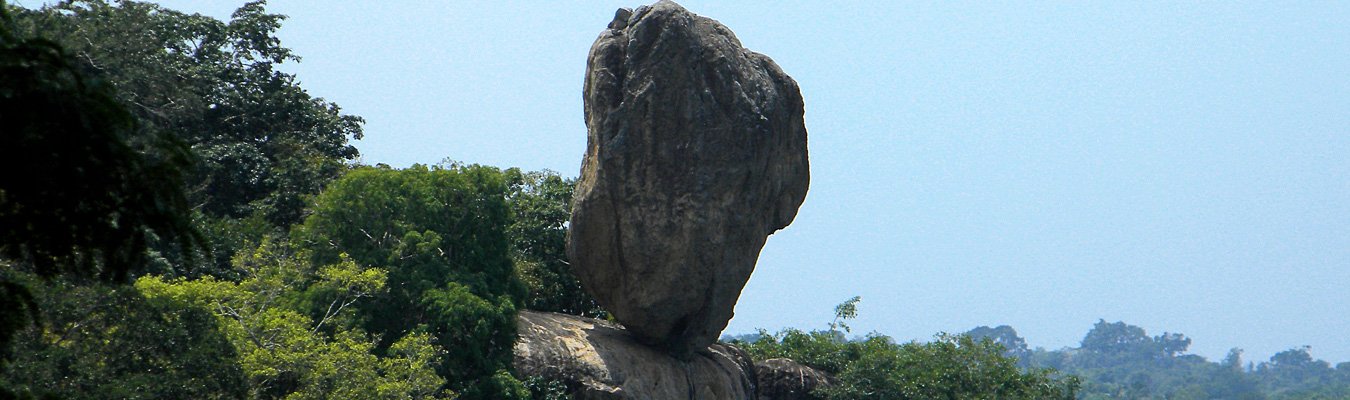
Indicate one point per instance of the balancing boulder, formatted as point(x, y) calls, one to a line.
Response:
point(696, 153)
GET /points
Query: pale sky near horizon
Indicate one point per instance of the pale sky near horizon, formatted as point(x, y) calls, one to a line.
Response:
point(1180, 166)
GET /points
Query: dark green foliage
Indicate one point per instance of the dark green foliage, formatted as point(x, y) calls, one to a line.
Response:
point(441, 234)
point(107, 342)
point(264, 144)
point(541, 204)
point(548, 389)
point(951, 367)
point(825, 350)
point(947, 368)
point(228, 236)
point(1294, 374)
point(87, 190)
point(472, 328)
point(500, 386)
point(20, 310)
point(430, 226)
point(95, 183)
point(264, 141)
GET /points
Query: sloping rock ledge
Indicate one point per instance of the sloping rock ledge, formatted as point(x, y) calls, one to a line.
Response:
point(601, 360)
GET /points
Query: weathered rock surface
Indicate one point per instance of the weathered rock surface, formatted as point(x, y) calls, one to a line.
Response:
point(600, 360)
point(784, 379)
point(696, 153)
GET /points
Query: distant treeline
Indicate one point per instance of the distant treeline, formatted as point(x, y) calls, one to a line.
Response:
point(1121, 361)
point(1116, 360)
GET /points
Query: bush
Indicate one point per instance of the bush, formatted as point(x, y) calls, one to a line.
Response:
point(875, 367)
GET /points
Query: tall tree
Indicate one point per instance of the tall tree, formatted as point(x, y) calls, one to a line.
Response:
point(1117, 339)
point(87, 188)
point(1002, 335)
point(263, 142)
point(98, 182)
point(441, 234)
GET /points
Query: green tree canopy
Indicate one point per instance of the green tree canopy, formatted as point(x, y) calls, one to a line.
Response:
point(1295, 374)
point(107, 341)
point(87, 187)
point(440, 232)
point(1116, 338)
point(285, 351)
point(263, 144)
point(1003, 335)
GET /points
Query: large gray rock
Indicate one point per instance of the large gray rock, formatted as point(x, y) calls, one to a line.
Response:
point(696, 153)
point(599, 360)
point(784, 379)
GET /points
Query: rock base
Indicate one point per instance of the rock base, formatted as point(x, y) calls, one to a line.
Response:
point(601, 360)
point(784, 379)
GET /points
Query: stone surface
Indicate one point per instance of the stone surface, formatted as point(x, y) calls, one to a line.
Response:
point(696, 153)
point(599, 360)
point(784, 379)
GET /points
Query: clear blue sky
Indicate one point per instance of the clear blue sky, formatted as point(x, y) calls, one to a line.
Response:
point(1183, 167)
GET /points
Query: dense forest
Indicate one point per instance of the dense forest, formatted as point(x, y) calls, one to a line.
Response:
point(180, 219)
point(1120, 361)
point(1113, 361)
